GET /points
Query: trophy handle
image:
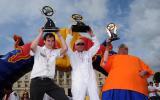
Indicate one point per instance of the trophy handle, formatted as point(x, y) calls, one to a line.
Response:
point(115, 30)
point(109, 33)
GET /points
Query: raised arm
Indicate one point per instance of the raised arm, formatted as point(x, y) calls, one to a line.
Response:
point(106, 53)
point(64, 45)
point(105, 57)
point(68, 41)
point(34, 44)
point(145, 71)
point(93, 50)
point(106, 61)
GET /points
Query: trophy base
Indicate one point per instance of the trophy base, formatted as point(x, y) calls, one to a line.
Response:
point(114, 39)
point(77, 28)
point(51, 30)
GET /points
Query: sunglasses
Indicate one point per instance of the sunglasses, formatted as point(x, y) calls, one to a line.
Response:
point(80, 44)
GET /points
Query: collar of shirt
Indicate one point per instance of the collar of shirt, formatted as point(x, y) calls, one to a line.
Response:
point(47, 51)
point(80, 52)
point(45, 48)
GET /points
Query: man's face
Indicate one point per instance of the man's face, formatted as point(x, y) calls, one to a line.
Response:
point(49, 42)
point(26, 95)
point(151, 84)
point(157, 84)
point(123, 51)
point(80, 45)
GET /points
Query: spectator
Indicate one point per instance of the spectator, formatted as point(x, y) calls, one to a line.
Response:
point(9, 93)
point(152, 91)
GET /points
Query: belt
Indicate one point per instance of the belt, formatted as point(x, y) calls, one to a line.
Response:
point(42, 78)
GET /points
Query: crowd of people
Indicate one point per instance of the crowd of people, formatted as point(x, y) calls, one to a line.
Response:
point(154, 91)
point(127, 74)
point(10, 94)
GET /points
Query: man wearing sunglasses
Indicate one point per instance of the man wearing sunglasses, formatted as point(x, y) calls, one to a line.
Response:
point(83, 75)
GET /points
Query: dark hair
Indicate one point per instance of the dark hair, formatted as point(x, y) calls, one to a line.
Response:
point(150, 82)
point(8, 86)
point(48, 35)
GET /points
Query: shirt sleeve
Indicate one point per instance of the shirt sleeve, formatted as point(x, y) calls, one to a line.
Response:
point(57, 53)
point(68, 40)
point(34, 53)
point(93, 50)
point(145, 67)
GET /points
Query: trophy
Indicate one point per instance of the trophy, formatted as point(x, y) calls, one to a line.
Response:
point(111, 29)
point(80, 26)
point(49, 26)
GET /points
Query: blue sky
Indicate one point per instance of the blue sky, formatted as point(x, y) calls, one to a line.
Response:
point(137, 20)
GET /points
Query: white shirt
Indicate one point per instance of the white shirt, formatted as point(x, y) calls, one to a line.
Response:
point(152, 91)
point(12, 96)
point(44, 62)
point(158, 89)
point(81, 62)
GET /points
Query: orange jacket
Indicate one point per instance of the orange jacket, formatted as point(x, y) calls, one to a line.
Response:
point(124, 73)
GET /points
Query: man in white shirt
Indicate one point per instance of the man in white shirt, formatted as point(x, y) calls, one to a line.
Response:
point(43, 71)
point(157, 87)
point(152, 91)
point(83, 75)
point(9, 93)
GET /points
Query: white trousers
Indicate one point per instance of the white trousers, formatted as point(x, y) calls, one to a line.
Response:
point(81, 87)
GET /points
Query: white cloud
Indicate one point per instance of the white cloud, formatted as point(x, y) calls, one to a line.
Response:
point(12, 10)
point(143, 34)
point(95, 9)
point(24, 16)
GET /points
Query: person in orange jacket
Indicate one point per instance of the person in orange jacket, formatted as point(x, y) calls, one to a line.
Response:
point(127, 76)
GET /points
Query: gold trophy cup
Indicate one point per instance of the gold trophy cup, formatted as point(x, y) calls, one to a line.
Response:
point(80, 25)
point(111, 29)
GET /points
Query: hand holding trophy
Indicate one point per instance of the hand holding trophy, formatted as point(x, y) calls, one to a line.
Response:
point(80, 26)
point(49, 26)
point(111, 29)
